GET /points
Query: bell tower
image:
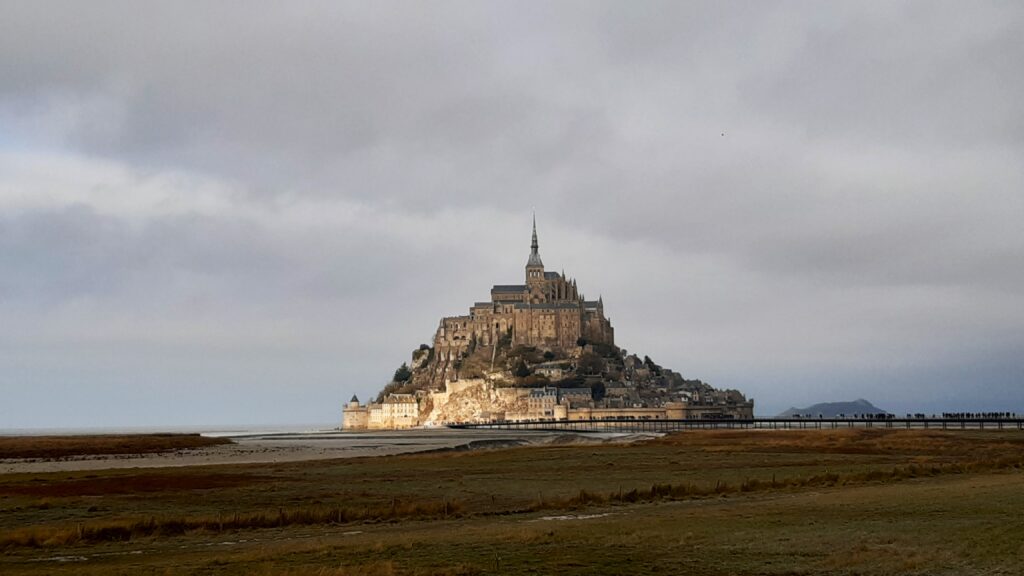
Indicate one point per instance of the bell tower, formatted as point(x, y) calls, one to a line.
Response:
point(534, 266)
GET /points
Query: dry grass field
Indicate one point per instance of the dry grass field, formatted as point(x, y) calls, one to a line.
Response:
point(703, 502)
point(68, 446)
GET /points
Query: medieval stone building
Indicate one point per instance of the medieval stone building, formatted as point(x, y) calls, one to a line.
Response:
point(546, 311)
point(566, 367)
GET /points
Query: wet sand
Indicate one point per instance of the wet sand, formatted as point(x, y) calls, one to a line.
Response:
point(271, 448)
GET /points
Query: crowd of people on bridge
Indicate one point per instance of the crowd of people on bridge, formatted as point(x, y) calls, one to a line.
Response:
point(877, 416)
point(919, 416)
point(975, 415)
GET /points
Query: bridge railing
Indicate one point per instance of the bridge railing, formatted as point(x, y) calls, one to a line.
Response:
point(748, 423)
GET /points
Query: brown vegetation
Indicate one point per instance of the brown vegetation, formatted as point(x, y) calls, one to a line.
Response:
point(691, 491)
point(129, 484)
point(707, 502)
point(129, 529)
point(65, 446)
point(374, 568)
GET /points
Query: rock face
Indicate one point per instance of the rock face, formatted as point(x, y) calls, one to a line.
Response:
point(536, 351)
point(473, 400)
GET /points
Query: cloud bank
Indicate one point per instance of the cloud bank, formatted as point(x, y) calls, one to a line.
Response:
point(237, 214)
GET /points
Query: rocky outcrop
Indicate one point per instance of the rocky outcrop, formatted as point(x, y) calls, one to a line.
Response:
point(474, 400)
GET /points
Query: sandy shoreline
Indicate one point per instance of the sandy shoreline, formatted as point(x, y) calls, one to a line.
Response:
point(271, 448)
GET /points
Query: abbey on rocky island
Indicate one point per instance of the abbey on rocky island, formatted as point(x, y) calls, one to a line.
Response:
point(536, 351)
point(547, 311)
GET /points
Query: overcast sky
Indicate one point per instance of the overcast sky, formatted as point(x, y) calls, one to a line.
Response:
point(242, 213)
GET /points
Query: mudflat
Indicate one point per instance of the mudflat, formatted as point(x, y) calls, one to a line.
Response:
point(27, 454)
point(704, 502)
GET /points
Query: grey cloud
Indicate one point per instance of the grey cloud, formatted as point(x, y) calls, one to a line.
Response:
point(72, 252)
point(769, 196)
point(53, 256)
point(925, 74)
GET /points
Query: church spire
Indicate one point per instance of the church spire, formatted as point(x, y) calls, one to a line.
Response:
point(534, 247)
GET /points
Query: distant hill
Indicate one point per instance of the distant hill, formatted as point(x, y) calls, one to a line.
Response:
point(833, 409)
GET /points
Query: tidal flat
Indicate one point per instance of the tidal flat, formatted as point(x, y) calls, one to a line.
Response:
point(855, 501)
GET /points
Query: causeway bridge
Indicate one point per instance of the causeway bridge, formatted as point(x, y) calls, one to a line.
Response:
point(664, 425)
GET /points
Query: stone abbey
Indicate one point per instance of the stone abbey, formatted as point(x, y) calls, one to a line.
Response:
point(547, 311)
point(535, 351)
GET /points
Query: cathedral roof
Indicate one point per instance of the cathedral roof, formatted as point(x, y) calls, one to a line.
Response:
point(508, 288)
point(546, 306)
point(551, 276)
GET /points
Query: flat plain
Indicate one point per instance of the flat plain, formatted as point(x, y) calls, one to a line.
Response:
point(858, 501)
